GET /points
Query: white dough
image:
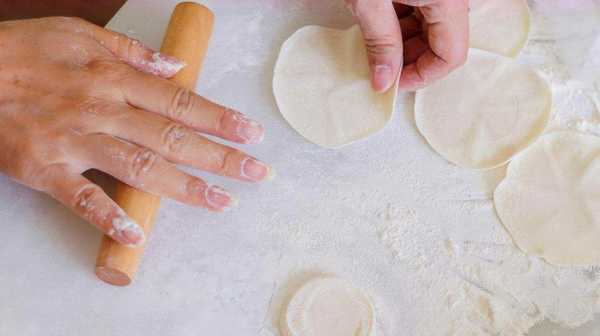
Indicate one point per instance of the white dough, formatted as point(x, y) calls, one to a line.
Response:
point(322, 87)
point(499, 26)
point(328, 306)
point(485, 112)
point(550, 199)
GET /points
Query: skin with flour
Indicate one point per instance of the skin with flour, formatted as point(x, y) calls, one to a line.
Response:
point(75, 97)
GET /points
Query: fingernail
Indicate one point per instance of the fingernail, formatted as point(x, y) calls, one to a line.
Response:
point(164, 65)
point(249, 130)
point(127, 231)
point(219, 198)
point(383, 77)
point(255, 170)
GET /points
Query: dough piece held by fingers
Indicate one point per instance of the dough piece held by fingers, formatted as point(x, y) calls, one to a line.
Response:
point(322, 87)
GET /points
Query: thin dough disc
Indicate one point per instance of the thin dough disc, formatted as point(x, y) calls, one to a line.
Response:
point(323, 89)
point(485, 112)
point(499, 26)
point(328, 307)
point(550, 199)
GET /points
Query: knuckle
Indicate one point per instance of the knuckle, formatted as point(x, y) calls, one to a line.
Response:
point(227, 157)
point(84, 200)
point(92, 115)
point(182, 104)
point(142, 161)
point(27, 158)
point(224, 120)
point(174, 138)
point(379, 46)
point(108, 70)
point(195, 186)
point(125, 47)
point(92, 107)
point(419, 3)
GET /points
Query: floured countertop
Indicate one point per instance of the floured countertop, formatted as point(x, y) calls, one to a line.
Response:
point(416, 233)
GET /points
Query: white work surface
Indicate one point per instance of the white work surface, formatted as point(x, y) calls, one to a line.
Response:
point(388, 214)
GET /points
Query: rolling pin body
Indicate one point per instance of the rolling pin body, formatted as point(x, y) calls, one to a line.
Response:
point(186, 38)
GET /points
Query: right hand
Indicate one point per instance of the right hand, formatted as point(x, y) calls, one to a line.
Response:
point(419, 41)
point(74, 96)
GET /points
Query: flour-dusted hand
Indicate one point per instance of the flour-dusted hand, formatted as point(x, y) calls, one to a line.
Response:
point(74, 97)
point(422, 40)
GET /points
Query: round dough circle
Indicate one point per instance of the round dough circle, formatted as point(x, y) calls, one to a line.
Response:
point(484, 112)
point(322, 87)
point(550, 199)
point(499, 26)
point(328, 307)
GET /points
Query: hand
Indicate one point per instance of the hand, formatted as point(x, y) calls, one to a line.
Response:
point(422, 40)
point(74, 96)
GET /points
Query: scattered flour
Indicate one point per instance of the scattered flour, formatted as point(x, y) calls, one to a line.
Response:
point(491, 287)
point(487, 286)
point(452, 272)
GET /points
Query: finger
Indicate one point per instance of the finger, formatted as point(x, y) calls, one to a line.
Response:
point(133, 52)
point(190, 109)
point(145, 170)
point(383, 39)
point(414, 48)
point(180, 144)
point(91, 203)
point(448, 38)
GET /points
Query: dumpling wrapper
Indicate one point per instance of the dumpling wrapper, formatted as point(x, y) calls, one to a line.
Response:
point(328, 306)
point(499, 26)
point(322, 87)
point(485, 112)
point(550, 199)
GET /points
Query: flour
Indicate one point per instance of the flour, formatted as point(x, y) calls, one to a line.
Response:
point(490, 287)
point(161, 64)
point(419, 236)
point(122, 225)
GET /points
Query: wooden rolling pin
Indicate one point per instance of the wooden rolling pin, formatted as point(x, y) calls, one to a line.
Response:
point(187, 39)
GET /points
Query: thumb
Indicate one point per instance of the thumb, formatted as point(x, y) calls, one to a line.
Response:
point(383, 40)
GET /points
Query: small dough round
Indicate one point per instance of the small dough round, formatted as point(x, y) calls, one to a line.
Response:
point(328, 306)
point(499, 26)
point(485, 112)
point(322, 87)
point(550, 199)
